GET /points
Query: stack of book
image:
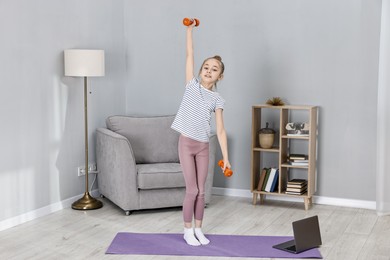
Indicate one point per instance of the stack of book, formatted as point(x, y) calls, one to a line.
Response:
point(296, 186)
point(268, 180)
point(298, 159)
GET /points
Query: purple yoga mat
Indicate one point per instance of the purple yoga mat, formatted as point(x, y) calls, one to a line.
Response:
point(220, 245)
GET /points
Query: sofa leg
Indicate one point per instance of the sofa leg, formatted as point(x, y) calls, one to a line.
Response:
point(127, 212)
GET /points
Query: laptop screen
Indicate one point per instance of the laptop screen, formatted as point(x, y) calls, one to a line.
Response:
point(306, 233)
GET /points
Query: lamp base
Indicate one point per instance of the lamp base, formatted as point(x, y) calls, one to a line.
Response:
point(87, 202)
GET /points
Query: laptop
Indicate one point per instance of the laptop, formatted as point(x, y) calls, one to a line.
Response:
point(306, 236)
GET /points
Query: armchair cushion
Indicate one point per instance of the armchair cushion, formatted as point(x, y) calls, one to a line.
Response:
point(160, 176)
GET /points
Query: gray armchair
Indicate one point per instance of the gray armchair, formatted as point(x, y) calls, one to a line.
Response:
point(138, 163)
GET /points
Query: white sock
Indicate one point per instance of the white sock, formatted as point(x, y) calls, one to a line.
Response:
point(199, 235)
point(190, 238)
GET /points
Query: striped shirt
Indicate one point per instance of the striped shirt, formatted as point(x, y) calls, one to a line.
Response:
point(194, 115)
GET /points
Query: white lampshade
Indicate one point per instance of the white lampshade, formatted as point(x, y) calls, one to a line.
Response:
point(84, 63)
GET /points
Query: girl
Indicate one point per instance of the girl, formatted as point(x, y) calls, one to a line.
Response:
point(193, 122)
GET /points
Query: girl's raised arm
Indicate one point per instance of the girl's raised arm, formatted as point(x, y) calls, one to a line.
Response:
point(189, 55)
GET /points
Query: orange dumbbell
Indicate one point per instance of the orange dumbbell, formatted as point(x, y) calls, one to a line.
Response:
point(189, 21)
point(228, 172)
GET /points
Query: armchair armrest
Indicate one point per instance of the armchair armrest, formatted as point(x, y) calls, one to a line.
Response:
point(117, 177)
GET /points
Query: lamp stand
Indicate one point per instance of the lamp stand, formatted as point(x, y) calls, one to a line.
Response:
point(87, 201)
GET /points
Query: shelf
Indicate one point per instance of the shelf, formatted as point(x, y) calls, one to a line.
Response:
point(294, 166)
point(284, 145)
point(271, 150)
point(288, 107)
point(305, 137)
point(266, 192)
point(294, 195)
point(283, 193)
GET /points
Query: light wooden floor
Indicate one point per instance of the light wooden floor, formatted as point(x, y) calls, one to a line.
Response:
point(347, 233)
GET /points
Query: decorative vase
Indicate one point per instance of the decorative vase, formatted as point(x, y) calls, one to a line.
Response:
point(266, 137)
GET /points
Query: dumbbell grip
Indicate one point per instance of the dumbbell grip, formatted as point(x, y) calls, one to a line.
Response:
point(227, 172)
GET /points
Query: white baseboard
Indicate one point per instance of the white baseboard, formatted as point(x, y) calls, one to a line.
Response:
point(364, 204)
point(14, 221)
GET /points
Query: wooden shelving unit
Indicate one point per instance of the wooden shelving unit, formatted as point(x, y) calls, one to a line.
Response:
point(283, 146)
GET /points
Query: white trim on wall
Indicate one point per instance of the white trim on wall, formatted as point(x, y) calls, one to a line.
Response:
point(34, 214)
point(350, 203)
point(12, 222)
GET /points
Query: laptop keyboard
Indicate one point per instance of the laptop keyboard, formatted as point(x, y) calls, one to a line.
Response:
point(291, 248)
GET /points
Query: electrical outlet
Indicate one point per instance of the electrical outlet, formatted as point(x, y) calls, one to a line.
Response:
point(91, 169)
point(80, 171)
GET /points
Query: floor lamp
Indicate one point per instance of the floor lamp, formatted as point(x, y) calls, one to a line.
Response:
point(85, 63)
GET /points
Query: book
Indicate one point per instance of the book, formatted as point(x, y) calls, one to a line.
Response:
point(298, 160)
point(296, 156)
point(301, 189)
point(275, 181)
point(291, 185)
point(270, 180)
point(295, 193)
point(266, 179)
point(263, 173)
point(297, 181)
point(296, 184)
point(299, 163)
point(295, 134)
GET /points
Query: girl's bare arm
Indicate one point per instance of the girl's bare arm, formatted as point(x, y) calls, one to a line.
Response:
point(222, 138)
point(189, 55)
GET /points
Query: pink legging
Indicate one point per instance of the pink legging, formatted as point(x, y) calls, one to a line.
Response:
point(194, 160)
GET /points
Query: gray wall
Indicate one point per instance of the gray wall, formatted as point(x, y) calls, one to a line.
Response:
point(42, 132)
point(322, 52)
